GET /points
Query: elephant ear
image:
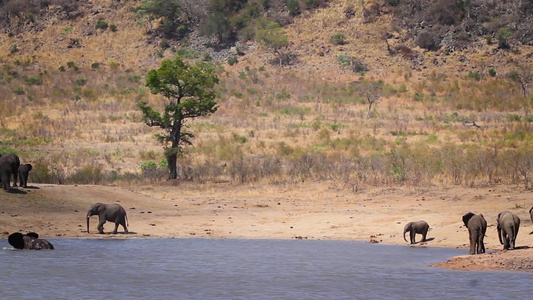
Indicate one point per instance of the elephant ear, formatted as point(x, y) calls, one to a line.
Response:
point(467, 218)
point(29, 167)
point(16, 240)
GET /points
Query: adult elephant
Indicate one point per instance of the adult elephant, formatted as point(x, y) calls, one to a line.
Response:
point(477, 226)
point(30, 241)
point(24, 172)
point(507, 226)
point(108, 212)
point(9, 165)
point(420, 227)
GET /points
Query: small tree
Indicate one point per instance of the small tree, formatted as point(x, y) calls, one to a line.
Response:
point(218, 24)
point(189, 91)
point(273, 37)
point(372, 91)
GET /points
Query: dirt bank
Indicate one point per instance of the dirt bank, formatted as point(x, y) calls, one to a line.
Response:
point(304, 211)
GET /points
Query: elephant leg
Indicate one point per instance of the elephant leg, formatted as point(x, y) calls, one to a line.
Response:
point(480, 245)
point(116, 227)
point(473, 243)
point(511, 241)
point(101, 226)
point(424, 236)
point(24, 181)
point(124, 226)
point(14, 179)
point(412, 235)
point(505, 241)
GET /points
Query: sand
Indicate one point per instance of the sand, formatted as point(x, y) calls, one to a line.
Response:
point(181, 209)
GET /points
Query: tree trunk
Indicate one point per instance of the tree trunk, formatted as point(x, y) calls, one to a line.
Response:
point(369, 109)
point(172, 165)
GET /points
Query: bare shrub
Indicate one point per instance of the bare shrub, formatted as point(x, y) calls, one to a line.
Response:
point(88, 174)
point(44, 172)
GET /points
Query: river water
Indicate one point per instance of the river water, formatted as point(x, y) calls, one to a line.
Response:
point(244, 269)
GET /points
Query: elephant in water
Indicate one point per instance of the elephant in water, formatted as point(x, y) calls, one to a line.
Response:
point(420, 227)
point(477, 226)
point(30, 241)
point(507, 226)
point(108, 212)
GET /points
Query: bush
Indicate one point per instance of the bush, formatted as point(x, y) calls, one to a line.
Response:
point(294, 7)
point(34, 80)
point(88, 174)
point(81, 81)
point(19, 91)
point(428, 39)
point(101, 24)
point(338, 38)
point(233, 60)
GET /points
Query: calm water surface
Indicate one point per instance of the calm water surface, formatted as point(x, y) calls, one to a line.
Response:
point(244, 269)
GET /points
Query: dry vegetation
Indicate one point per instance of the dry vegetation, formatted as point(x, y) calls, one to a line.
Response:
point(69, 96)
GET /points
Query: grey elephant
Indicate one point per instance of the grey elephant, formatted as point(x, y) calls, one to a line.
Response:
point(507, 226)
point(24, 172)
point(531, 214)
point(108, 212)
point(477, 226)
point(9, 165)
point(420, 227)
point(29, 241)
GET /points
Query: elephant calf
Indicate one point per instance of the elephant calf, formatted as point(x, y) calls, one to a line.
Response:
point(507, 226)
point(477, 226)
point(108, 212)
point(24, 171)
point(30, 241)
point(420, 227)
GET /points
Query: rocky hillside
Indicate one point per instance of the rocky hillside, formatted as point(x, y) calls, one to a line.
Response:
point(72, 72)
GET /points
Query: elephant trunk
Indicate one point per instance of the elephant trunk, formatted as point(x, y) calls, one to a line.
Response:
point(88, 217)
point(404, 231)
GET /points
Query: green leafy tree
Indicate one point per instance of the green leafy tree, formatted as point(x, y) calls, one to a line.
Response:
point(273, 37)
point(175, 16)
point(189, 90)
point(219, 25)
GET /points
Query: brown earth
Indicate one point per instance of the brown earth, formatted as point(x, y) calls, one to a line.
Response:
point(177, 209)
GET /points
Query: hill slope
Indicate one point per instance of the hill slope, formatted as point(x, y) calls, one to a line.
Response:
point(71, 90)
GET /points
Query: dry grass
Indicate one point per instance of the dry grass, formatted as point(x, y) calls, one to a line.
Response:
point(273, 124)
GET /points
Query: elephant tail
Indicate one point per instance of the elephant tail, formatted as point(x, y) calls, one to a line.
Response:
point(127, 222)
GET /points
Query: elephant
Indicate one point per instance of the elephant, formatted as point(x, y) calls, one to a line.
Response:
point(24, 171)
point(30, 241)
point(477, 226)
point(9, 165)
point(108, 212)
point(420, 227)
point(531, 214)
point(507, 226)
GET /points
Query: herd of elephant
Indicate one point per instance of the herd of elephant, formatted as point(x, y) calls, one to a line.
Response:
point(10, 165)
point(507, 225)
point(507, 222)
